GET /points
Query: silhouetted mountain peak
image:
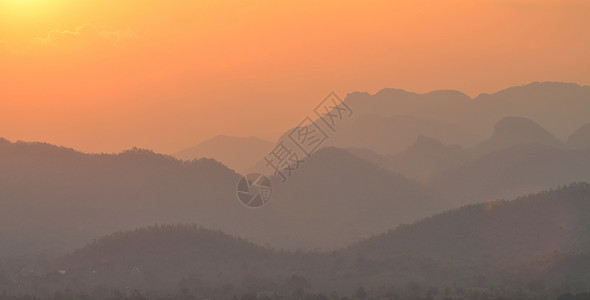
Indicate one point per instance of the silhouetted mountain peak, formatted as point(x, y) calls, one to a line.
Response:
point(358, 198)
point(330, 162)
point(547, 86)
point(357, 95)
point(449, 94)
point(522, 130)
point(438, 94)
point(391, 92)
point(511, 125)
point(580, 139)
point(512, 131)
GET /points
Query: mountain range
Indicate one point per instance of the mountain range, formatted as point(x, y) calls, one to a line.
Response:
point(536, 101)
point(442, 162)
point(520, 157)
point(536, 243)
point(56, 198)
point(390, 121)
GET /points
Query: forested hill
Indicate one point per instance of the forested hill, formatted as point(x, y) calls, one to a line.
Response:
point(534, 225)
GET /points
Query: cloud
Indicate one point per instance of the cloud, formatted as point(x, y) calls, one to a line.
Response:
point(84, 37)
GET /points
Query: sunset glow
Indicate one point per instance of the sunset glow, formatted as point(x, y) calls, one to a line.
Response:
point(98, 75)
point(294, 149)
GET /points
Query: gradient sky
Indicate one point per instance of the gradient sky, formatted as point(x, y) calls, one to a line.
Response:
point(103, 76)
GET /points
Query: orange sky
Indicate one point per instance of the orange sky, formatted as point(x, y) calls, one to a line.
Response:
point(103, 76)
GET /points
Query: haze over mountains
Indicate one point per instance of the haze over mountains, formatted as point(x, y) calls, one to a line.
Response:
point(343, 197)
point(511, 131)
point(389, 135)
point(421, 161)
point(56, 198)
point(561, 108)
point(391, 120)
point(236, 153)
point(402, 158)
point(491, 246)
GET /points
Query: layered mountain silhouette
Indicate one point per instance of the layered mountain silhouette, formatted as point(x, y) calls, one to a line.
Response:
point(442, 106)
point(536, 242)
point(57, 198)
point(536, 101)
point(343, 196)
point(402, 158)
point(392, 119)
point(559, 107)
point(426, 158)
point(237, 153)
point(336, 198)
point(390, 135)
point(511, 172)
point(519, 158)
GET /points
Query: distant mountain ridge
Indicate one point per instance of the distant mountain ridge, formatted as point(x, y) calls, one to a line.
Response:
point(426, 158)
point(535, 101)
point(520, 157)
point(109, 192)
point(390, 120)
point(238, 153)
point(390, 135)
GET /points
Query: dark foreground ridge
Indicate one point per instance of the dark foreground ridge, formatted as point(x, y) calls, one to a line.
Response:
point(532, 246)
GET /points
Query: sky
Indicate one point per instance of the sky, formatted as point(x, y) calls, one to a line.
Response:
point(104, 76)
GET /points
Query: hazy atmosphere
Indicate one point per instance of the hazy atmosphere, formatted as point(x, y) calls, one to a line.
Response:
point(254, 150)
